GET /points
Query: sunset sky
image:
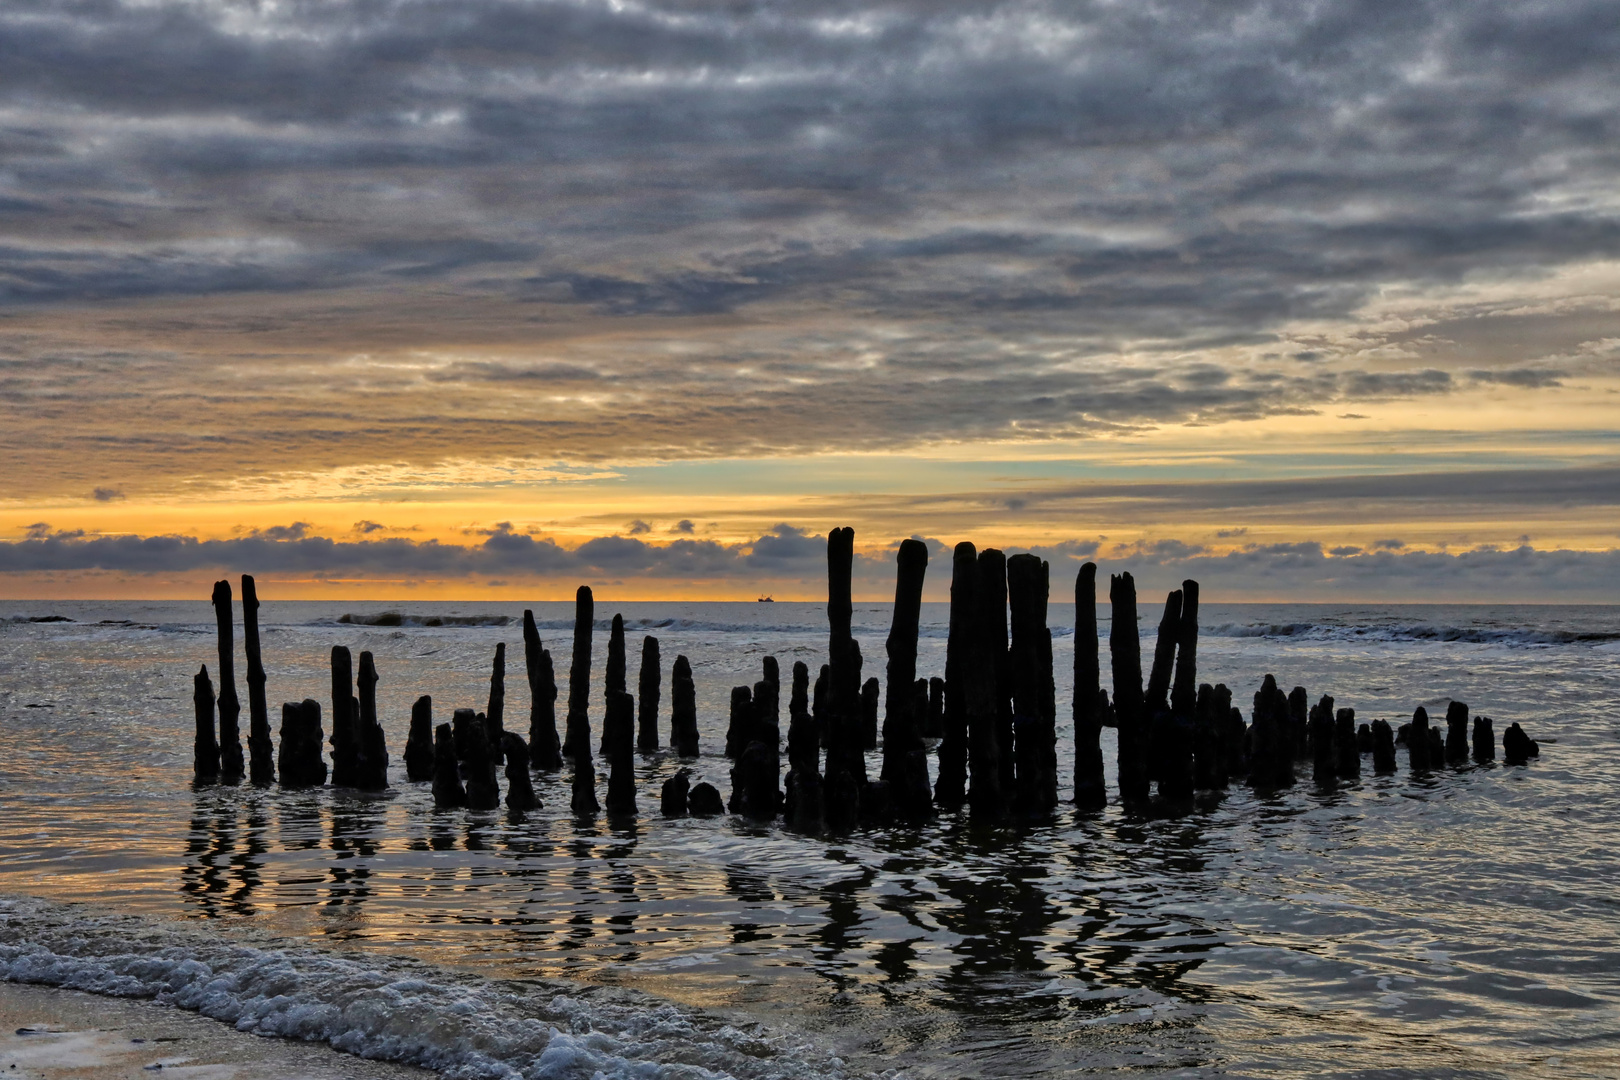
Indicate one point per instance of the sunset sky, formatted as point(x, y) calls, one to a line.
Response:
point(1314, 301)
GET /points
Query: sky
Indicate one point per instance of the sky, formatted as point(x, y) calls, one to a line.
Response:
point(1311, 301)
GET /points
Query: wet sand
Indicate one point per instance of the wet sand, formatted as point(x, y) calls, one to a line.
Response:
point(52, 1034)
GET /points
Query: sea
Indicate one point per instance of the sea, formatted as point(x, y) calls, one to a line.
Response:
point(1459, 923)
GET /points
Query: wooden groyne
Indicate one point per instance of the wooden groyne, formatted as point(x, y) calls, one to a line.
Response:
point(989, 722)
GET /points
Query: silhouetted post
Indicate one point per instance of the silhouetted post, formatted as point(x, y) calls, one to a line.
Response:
point(755, 779)
point(981, 667)
point(821, 707)
point(577, 738)
point(371, 746)
point(992, 598)
point(961, 649)
point(672, 799)
point(205, 747)
point(683, 729)
point(1324, 762)
point(905, 769)
point(1184, 690)
point(261, 753)
point(299, 762)
point(1344, 742)
point(870, 692)
point(583, 801)
point(447, 789)
point(846, 765)
point(345, 744)
point(1437, 747)
point(1090, 790)
point(1209, 758)
point(1034, 696)
point(495, 715)
point(614, 678)
point(619, 743)
point(1271, 750)
point(704, 801)
point(740, 723)
point(803, 797)
point(648, 685)
point(545, 751)
point(1234, 735)
point(230, 734)
point(519, 788)
point(933, 726)
point(1295, 721)
point(483, 792)
point(1383, 747)
point(1125, 651)
point(1164, 656)
point(1484, 739)
point(419, 746)
point(1456, 731)
point(1517, 747)
point(1417, 741)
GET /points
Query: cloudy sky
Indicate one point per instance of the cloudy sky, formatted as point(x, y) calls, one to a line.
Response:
point(1312, 299)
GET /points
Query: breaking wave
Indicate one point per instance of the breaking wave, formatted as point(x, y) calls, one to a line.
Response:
point(392, 1009)
point(1309, 631)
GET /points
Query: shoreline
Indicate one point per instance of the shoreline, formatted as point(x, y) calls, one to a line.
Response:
point(51, 1033)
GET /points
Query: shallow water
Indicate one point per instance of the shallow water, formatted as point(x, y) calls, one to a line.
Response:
point(1459, 924)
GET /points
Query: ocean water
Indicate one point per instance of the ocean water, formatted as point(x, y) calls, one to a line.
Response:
point(1465, 923)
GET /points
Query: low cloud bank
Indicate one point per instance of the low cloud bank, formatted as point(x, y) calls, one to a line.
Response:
point(1300, 571)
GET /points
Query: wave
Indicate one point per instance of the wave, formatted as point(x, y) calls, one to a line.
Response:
point(38, 619)
point(390, 1008)
point(1478, 635)
point(396, 618)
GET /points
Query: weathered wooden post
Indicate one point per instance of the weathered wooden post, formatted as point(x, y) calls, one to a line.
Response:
point(1234, 734)
point(1484, 739)
point(545, 751)
point(619, 744)
point(1184, 690)
point(614, 677)
point(1346, 744)
point(205, 747)
point(230, 735)
point(495, 714)
point(1090, 787)
point(683, 729)
point(846, 764)
point(371, 757)
point(1517, 747)
point(299, 762)
point(1034, 695)
point(583, 801)
point(648, 685)
point(519, 788)
point(983, 701)
point(803, 798)
point(1456, 732)
point(261, 752)
point(447, 789)
point(934, 726)
point(961, 649)
point(1125, 651)
point(419, 746)
point(1417, 741)
point(1209, 758)
point(672, 799)
point(1164, 658)
point(739, 724)
point(905, 763)
point(755, 779)
point(1295, 722)
point(1383, 747)
point(345, 744)
point(870, 692)
point(577, 737)
point(483, 792)
point(1324, 761)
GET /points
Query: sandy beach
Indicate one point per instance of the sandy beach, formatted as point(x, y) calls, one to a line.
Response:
point(52, 1034)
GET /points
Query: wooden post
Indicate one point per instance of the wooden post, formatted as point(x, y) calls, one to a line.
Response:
point(1164, 657)
point(205, 747)
point(648, 684)
point(519, 788)
point(1090, 787)
point(672, 799)
point(933, 726)
point(1456, 731)
point(545, 751)
point(901, 725)
point(1295, 723)
point(299, 762)
point(1383, 747)
point(986, 703)
point(1484, 739)
point(261, 751)
point(495, 715)
point(740, 723)
point(950, 789)
point(345, 745)
point(483, 792)
point(683, 729)
point(1125, 651)
point(614, 677)
point(371, 757)
point(1324, 761)
point(846, 765)
point(1346, 745)
point(802, 802)
point(577, 738)
point(447, 789)
point(1184, 690)
point(1034, 696)
point(230, 735)
point(1417, 741)
point(419, 746)
point(619, 743)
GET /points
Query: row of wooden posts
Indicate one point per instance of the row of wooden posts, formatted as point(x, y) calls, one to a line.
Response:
point(993, 714)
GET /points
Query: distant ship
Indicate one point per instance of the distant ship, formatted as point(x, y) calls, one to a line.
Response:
point(765, 600)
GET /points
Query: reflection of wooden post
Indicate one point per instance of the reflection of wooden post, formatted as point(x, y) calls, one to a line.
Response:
point(577, 738)
point(419, 746)
point(261, 753)
point(545, 752)
point(230, 735)
point(1125, 652)
point(683, 729)
point(647, 692)
point(205, 747)
point(495, 715)
point(1090, 791)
